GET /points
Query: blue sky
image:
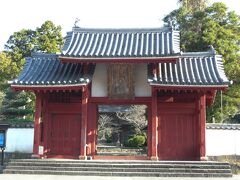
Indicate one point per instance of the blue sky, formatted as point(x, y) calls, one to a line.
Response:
point(28, 14)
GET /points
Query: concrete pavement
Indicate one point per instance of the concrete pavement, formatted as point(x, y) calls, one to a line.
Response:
point(56, 177)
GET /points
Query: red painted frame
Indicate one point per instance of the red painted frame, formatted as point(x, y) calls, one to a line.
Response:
point(37, 128)
point(47, 88)
point(92, 138)
point(88, 107)
point(172, 59)
point(47, 110)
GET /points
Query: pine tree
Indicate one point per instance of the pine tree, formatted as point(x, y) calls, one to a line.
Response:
point(16, 107)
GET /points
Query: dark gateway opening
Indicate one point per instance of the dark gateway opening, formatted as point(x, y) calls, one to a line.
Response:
point(122, 130)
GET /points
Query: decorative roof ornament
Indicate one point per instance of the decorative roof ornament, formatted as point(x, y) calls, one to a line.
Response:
point(212, 50)
point(76, 23)
point(171, 25)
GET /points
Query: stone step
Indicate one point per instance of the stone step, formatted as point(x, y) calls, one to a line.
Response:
point(119, 168)
point(129, 165)
point(136, 169)
point(96, 173)
point(108, 162)
point(117, 153)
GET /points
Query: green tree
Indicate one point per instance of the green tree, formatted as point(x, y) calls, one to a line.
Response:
point(49, 38)
point(136, 116)
point(16, 107)
point(214, 26)
point(191, 6)
point(9, 69)
point(46, 38)
point(20, 45)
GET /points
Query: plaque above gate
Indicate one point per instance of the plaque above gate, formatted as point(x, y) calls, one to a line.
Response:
point(120, 81)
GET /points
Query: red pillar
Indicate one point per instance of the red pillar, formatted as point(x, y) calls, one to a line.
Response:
point(149, 131)
point(83, 145)
point(46, 124)
point(91, 124)
point(154, 124)
point(95, 129)
point(202, 127)
point(37, 130)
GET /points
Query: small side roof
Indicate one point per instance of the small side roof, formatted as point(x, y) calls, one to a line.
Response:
point(83, 43)
point(46, 71)
point(192, 70)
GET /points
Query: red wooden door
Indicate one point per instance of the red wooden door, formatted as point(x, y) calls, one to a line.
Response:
point(177, 133)
point(65, 134)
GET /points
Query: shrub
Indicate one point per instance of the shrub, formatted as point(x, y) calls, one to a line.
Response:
point(108, 136)
point(136, 141)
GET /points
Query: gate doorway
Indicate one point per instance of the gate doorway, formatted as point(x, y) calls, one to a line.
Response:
point(177, 132)
point(122, 131)
point(65, 134)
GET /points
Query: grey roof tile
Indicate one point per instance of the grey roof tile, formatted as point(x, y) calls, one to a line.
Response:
point(46, 69)
point(117, 43)
point(223, 126)
point(195, 69)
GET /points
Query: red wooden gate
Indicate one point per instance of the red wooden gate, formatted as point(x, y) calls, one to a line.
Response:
point(65, 134)
point(177, 131)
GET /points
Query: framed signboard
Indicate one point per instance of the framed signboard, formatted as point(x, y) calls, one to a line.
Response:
point(2, 139)
point(120, 81)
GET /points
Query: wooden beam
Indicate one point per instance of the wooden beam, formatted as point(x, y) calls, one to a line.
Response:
point(47, 88)
point(154, 124)
point(106, 100)
point(149, 131)
point(46, 124)
point(202, 127)
point(95, 129)
point(189, 87)
point(83, 145)
point(92, 128)
point(37, 128)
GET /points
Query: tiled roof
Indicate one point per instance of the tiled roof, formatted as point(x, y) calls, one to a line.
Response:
point(22, 125)
point(47, 70)
point(121, 43)
point(192, 69)
point(223, 126)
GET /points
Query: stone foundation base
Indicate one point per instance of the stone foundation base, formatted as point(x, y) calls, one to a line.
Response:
point(154, 158)
point(82, 157)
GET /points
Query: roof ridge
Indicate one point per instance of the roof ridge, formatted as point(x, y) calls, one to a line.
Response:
point(42, 54)
point(150, 29)
point(210, 52)
point(222, 126)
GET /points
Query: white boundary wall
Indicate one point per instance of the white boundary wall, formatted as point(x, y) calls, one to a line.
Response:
point(19, 140)
point(218, 141)
point(222, 142)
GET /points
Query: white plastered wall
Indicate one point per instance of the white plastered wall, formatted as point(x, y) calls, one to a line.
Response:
point(99, 81)
point(19, 140)
point(142, 87)
point(222, 142)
